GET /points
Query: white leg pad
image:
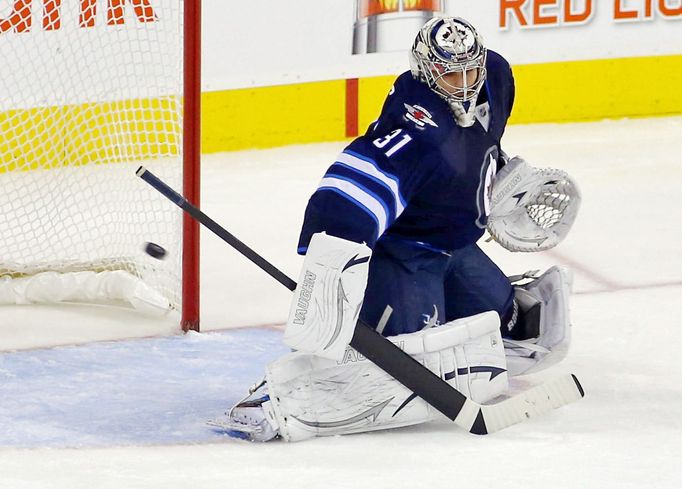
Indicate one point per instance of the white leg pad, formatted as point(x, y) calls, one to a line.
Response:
point(315, 396)
point(552, 289)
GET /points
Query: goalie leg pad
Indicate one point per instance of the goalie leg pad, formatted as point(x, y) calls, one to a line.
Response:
point(315, 396)
point(551, 291)
point(252, 418)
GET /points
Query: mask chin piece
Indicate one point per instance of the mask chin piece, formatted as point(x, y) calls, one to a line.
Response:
point(464, 113)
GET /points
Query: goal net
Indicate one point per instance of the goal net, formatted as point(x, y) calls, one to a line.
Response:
point(90, 90)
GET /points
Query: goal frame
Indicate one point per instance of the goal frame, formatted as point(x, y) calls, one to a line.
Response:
point(145, 105)
point(191, 164)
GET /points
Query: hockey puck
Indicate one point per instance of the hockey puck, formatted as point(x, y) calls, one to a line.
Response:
point(155, 251)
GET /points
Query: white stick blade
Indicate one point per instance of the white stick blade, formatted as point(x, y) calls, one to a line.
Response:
point(532, 403)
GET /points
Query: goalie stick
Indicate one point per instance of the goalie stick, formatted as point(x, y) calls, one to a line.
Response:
point(473, 417)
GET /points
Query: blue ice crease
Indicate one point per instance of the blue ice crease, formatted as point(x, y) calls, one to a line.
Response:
point(139, 392)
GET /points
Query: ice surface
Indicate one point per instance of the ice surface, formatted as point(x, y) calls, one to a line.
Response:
point(133, 406)
point(143, 392)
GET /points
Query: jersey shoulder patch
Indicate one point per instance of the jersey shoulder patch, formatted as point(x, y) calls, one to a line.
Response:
point(419, 115)
point(412, 105)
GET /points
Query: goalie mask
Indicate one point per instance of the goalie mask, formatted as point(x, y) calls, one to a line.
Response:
point(449, 56)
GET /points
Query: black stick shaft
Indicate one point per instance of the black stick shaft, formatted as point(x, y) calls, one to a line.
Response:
point(366, 340)
point(216, 228)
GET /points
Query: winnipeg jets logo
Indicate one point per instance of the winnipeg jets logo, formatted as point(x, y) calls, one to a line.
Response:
point(455, 38)
point(419, 115)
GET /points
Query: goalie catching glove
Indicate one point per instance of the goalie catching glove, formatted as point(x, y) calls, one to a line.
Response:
point(532, 209)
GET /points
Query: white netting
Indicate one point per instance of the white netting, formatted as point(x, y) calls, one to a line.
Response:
point(89, 90)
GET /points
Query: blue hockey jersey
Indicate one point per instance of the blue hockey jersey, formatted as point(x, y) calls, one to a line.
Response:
point(415, 174)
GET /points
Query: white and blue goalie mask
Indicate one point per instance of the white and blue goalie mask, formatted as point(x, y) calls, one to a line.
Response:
point(449, 56)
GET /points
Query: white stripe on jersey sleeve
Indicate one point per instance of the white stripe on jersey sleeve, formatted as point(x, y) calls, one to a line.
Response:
point(369, 169)
point(369, 203)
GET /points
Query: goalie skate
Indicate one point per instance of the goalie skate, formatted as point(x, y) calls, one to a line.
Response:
point(250, 419)
point(236, 429)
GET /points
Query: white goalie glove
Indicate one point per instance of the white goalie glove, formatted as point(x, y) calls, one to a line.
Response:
point(532, 209)
point(328, 297)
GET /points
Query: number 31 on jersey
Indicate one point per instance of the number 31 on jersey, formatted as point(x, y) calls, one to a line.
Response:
point(393, 146)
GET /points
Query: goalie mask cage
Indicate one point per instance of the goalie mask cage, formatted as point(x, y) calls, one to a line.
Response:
point(90, 90)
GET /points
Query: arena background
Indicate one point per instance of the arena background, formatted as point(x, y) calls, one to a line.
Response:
point(94, 396)
point(297, 80)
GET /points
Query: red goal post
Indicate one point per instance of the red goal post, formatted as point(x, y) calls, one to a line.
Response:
point(192, 163)
point(90, 89)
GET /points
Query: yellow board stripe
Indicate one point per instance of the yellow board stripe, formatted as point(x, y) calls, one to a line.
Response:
point(71, 135)
point(273, 116)
point(549, 92)
point(574, 91)
point(372, 93)
point(599, 89)
point(315, 112)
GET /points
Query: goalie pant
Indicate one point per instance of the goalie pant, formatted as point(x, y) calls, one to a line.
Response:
point(314, 396)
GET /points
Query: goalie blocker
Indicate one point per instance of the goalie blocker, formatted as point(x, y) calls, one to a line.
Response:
point(328, 297)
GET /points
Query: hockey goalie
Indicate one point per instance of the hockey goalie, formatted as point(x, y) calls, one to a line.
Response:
point(390, 237)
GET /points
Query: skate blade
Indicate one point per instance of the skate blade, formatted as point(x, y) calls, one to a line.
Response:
point(234, 429)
